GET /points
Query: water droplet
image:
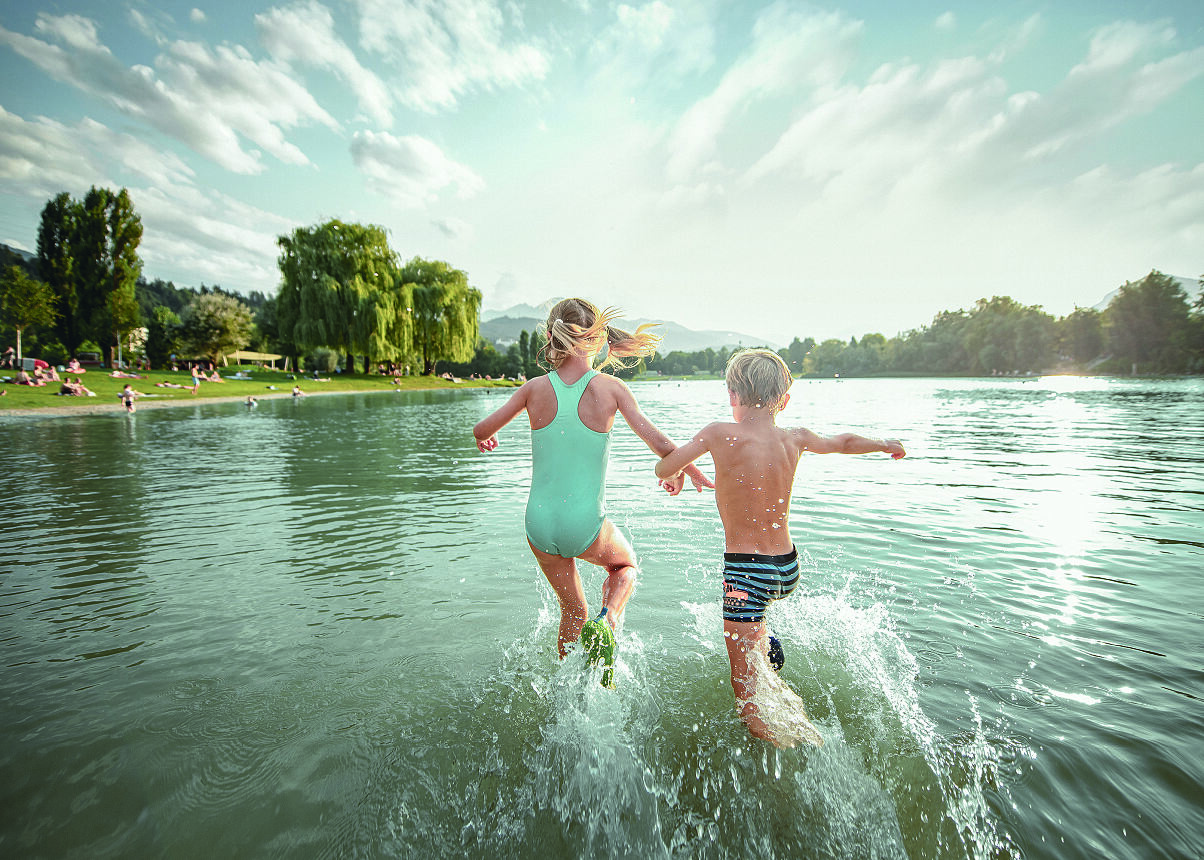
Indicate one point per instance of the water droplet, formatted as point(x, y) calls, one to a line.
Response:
point(776, 526)
point(455, 462)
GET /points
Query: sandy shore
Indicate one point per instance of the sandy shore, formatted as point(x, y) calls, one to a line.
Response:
point(157, 403)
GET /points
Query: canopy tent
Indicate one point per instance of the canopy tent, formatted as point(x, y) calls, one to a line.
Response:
point(243, 355)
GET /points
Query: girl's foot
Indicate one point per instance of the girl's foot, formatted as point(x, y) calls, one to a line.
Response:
point(598, 640)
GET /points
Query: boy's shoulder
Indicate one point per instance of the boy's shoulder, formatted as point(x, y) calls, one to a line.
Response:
point(718, 430)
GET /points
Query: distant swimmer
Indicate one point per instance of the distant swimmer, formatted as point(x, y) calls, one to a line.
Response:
point(127, 396)
point(755, 461)
point(572, 411)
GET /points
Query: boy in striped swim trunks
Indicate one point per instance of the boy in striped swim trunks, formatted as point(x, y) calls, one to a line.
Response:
point(755, 462)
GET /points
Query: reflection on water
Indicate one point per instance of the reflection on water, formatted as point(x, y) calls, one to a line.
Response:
point(314, 629)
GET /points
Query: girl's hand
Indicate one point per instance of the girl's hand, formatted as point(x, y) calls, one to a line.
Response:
point(673, 485)
point(487, 445)
point(698, 479)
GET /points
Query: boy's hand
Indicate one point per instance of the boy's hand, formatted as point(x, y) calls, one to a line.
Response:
point(895, 448)
point(487, 445)
point(698, 479)
point(673, 485)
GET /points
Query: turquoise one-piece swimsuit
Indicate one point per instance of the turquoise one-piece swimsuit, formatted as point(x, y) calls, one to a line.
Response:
point(565, 509)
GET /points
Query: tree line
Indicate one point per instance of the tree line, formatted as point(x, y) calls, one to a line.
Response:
point(1148, 327)
point(345, 296)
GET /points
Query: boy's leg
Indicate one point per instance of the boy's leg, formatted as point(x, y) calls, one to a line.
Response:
point(742, 639)
point(563, 577)
point(612, 551)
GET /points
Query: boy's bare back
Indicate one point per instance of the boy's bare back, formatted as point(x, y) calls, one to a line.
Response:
point(755, 465)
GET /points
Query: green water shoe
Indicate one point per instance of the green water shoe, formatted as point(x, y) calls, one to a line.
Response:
point(598, 640)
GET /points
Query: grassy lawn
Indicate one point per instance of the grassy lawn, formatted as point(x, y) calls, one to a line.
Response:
point(21, 397)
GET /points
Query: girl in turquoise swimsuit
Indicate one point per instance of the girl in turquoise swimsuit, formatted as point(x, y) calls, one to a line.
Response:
point(572, 411)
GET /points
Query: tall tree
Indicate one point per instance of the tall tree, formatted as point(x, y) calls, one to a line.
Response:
point(104, 248)
point(86, 251)
point(339, 290)
point(524, 353)
point(25, 302)
point(1146, 324)
point(446, 312)
point(57, 267)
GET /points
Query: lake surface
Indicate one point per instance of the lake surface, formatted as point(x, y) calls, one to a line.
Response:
point(314, 629)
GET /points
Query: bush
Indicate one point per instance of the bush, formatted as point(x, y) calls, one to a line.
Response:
point(54, 353)
point(322, 360)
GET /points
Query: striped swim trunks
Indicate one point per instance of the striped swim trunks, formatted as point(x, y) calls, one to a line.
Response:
point(751, 581)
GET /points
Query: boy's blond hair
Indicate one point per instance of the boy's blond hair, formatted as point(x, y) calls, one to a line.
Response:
point(758, 377)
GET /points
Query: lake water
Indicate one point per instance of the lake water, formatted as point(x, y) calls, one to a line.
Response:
point(314, 629)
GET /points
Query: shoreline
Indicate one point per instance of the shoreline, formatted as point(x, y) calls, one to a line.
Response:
point(108, 408)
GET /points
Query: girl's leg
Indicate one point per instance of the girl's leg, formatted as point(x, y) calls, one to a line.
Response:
point(612, 551)
point(563, 577)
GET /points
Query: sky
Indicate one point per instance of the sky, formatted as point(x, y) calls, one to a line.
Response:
point(777, 168)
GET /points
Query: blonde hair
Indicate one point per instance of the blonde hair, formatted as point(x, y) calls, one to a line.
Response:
point(758, 377)
point(577, 326)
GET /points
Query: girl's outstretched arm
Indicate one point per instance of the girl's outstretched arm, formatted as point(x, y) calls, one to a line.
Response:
point(486, 430)
point(660, 444)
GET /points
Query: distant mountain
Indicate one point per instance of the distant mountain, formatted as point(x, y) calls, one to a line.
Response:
point(521, 311)
point(1191, 286)
point(17, 252)
point(504, 327)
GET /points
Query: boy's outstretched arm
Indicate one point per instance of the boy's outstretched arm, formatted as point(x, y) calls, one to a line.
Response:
point(847, 443)
point(486, 430)
point(675, 465)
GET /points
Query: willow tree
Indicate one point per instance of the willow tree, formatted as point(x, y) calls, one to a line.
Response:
point(339, 290)
point(447, 312)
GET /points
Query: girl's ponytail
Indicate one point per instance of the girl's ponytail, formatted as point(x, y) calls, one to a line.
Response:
point(622, 344)
point(575, 325)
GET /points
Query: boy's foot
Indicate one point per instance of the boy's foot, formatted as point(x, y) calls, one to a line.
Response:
point(777, 657)
point(598, 641)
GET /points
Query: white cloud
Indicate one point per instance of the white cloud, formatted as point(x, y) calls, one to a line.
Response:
point(39, 159)
point(1120, 43)
point(411, 170)
point(196, 16)
point(954, 126)
point(454, 228)
point(188, 232)
point(791, 54)
point(655, 43)
point(946, 22)
point(207, 98)
point(195, 233)
point(303, 34)
point(444, 50)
